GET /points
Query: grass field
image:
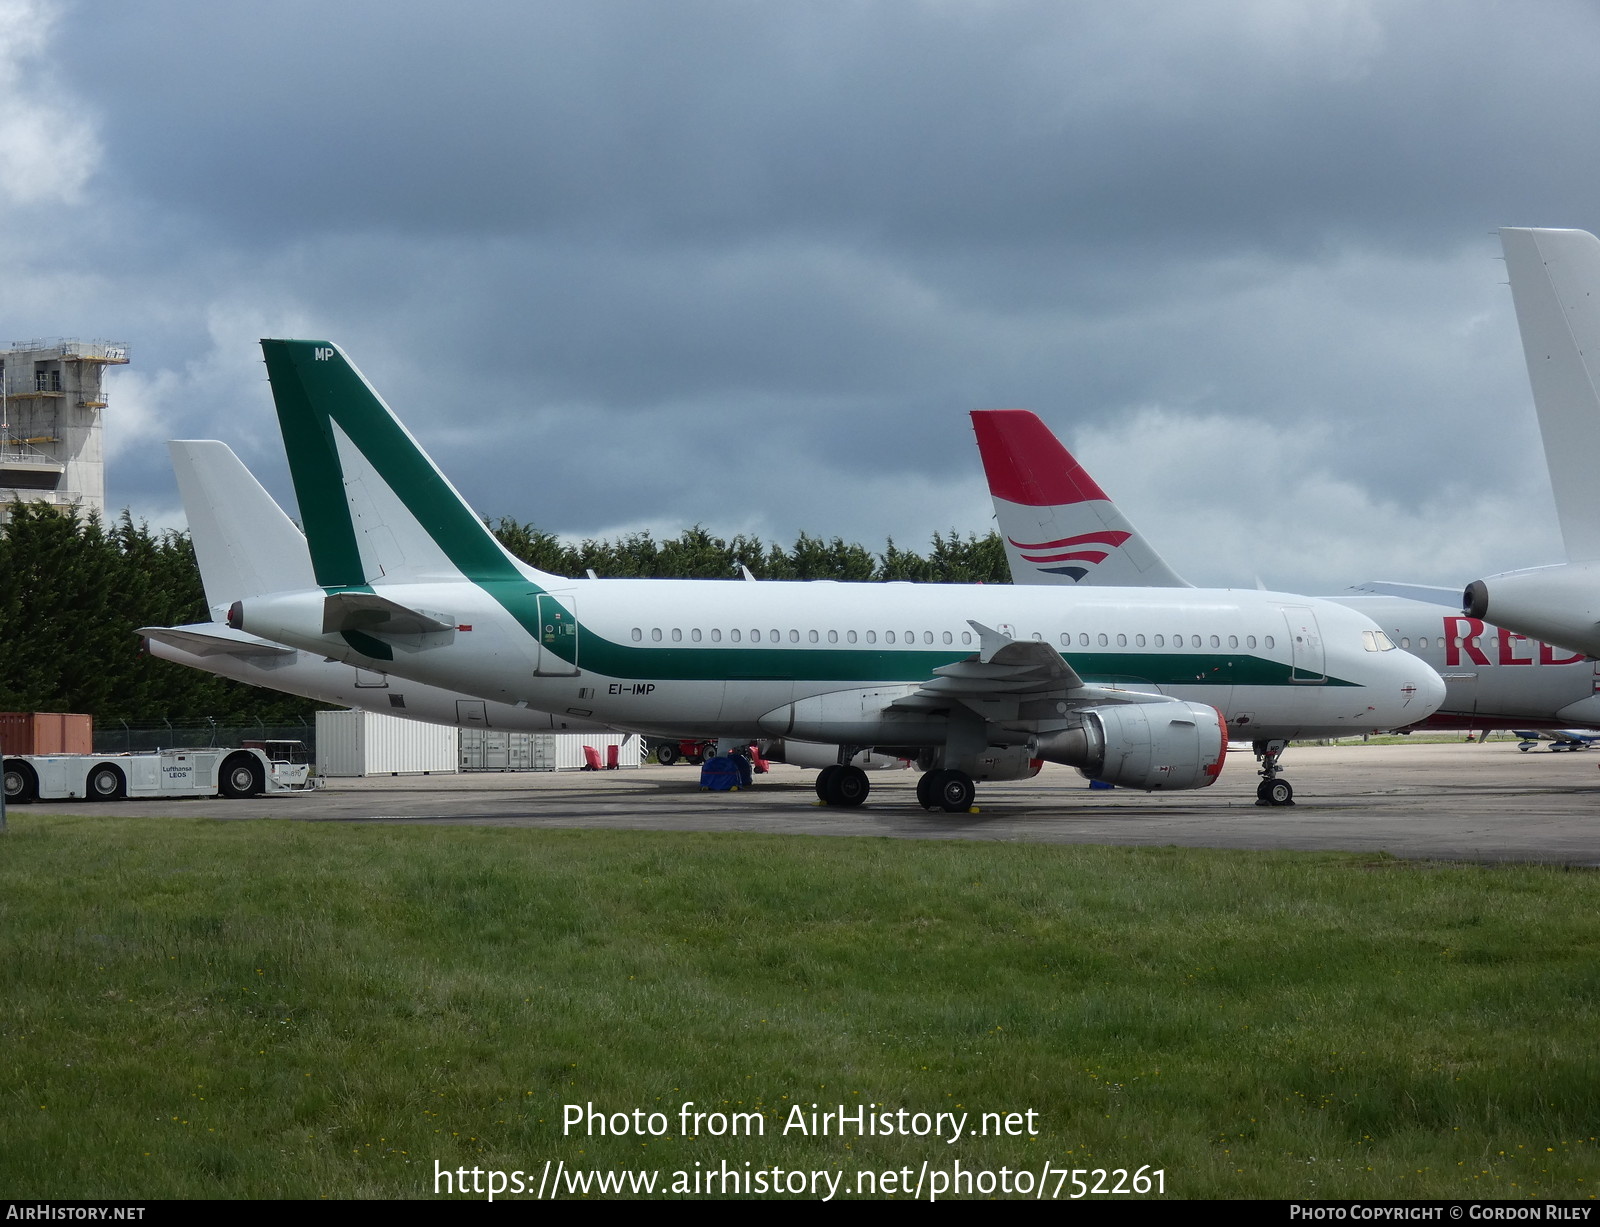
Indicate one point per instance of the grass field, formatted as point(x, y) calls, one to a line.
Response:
point(258, 1009)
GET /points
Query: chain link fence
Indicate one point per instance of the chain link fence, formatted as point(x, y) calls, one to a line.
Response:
point(122, 738)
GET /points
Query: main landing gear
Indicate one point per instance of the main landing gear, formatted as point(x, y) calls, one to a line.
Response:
point(1272, 790)
point(842, 784)
point(951, 791)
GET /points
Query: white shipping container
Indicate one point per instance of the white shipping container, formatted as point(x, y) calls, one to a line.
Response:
point(369, 743)
point(495, 750)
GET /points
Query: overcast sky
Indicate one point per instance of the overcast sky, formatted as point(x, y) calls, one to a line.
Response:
point(645, 265)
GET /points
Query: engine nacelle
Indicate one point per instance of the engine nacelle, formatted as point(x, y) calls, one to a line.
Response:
point(1559, 604)
point(989, 763)
point(1153, 746)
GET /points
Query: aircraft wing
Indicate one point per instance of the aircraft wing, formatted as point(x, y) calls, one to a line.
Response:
point(213, 639)
point(1013, 681)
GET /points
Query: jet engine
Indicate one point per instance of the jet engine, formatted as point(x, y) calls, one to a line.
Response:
point(1153, 746)
point(1556, 604)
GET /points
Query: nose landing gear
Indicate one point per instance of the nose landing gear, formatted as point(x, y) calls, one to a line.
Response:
point(1272, 790)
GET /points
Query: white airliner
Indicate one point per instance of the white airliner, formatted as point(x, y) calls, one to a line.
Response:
point(1555, 284)
point(1063, 529)
point(1132, 685)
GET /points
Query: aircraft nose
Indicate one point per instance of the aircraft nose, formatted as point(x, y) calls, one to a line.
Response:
point(1420, 687)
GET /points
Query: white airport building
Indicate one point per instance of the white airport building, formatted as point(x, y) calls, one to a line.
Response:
point(52, 398)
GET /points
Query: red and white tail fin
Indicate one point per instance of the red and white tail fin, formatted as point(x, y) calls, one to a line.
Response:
point(1058, 525)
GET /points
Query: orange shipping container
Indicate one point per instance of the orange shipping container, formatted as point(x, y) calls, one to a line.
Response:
point(46, 732)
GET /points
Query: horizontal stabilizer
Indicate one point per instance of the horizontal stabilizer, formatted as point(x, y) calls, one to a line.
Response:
point(1426, 593)
point(213, 639)
point(376, 615)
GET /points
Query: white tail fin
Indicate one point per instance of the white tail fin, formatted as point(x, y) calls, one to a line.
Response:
point(1058, 525)
point(1555, 283)
point(244, 544)
point(376, 508)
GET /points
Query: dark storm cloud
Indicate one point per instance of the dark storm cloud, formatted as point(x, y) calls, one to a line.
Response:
point(805, 239)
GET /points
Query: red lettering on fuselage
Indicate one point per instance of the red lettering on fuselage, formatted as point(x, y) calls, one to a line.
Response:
point(1463, 635)
point(1506, 658)
point(1547, 656)
point(1456, 638)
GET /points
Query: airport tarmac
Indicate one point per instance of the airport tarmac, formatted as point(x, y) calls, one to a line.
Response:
point(1456, 801)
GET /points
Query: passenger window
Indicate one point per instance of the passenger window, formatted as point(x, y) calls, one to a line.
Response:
point(677, 635)
point(812, 636)
point(695, 634)
point(637, 634)
point(733, 635)
point(872, 636)
point(1083, 639)
point(716, 634)
point(850, 636)
point(1104, 639)
point(1233, 641)
point(1249, 641)
point(1216, 642)
point(948, 637)
point(1270, 642)
point(1138, 641)
point(1161, 641)
point(794, 636)
point(927, 636)
point(655, 634)
point(888, 636)
point(1195, 640)
point(966, 637)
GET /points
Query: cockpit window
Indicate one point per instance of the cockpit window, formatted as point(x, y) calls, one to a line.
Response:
point(1376, 641)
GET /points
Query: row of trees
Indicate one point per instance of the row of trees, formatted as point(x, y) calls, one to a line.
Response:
point(697, 554)
point(72, 596)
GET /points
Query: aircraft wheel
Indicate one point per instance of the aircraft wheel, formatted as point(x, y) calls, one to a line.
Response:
point(666, 755)
point(22, 785)
point(825, 779)
point(1275, 792)
point(849, 787)
point(955, 792)
point(241, 777)
point(927, 797)
point(105, 783)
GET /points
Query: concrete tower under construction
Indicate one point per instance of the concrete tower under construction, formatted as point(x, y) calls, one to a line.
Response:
point(52, 396)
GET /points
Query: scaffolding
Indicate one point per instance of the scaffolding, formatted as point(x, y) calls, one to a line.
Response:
point(51, 395)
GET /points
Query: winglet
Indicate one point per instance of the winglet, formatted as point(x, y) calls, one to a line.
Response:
point(990, 640)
